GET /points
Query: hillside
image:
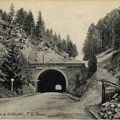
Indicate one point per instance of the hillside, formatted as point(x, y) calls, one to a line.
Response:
point(110, 60)
point(25, 27)
point(35, 52)
point(92, 99)
point(103, 36)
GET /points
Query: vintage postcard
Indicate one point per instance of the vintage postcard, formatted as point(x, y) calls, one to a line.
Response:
point(59, 59)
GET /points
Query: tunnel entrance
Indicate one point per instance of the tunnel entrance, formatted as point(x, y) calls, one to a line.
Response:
point(51, 81)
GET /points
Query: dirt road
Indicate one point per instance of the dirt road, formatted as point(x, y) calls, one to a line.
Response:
point(55, 105)
point(94, 95)
point(46, 105)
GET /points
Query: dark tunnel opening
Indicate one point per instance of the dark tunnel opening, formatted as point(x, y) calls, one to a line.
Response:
point(51, 81)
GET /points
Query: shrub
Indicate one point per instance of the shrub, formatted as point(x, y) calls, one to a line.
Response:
point(4, 93)
point(114, 55)
point(15, 65)
point(92, 66)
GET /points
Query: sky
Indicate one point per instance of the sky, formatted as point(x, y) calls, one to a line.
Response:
point(71, 17)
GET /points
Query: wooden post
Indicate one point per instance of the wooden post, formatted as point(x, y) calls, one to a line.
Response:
point(43, 57)
point(103, 93)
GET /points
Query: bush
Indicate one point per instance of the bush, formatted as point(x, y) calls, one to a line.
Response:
point(79, 80)
point(16, 66)
point(28, 89)
point(92, 66)
point(25, 90)
point(114, 55)
point(4, 93)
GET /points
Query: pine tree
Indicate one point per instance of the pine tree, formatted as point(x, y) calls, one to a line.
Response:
point(55, 37)
point(1, 12)
point(104, 35)
point(20, 17)
point(74, 51)
point(11, 13)
point(40, 28)
point(51, 35)
point(69, 46)
point(14, 66)
point(64, 45)
point(4, 16)
point(51, 38)
point(47, 33)
point(89, 46)
point(59, 43)
point(29, 25)
point(59, 38)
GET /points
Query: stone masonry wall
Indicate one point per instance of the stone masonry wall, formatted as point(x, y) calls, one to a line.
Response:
point(70, 73)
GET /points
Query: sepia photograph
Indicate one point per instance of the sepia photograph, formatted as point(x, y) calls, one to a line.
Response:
point(59, 59)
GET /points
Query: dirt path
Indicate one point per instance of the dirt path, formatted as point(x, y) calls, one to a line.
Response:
point(94, 95)
point(56, 105)
point(104, 74)
point(46, 105)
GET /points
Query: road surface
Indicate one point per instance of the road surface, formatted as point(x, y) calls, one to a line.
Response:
point(43, 106)
point(55, 105)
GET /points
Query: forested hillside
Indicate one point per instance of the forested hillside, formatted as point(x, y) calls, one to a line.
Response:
point(24, 41)
point(25, 20)
point(103, 36)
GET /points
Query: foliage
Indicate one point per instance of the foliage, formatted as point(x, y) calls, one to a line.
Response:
point(6, 93)
point(117, 34)
point(83, 88)
point(40, 28)
point(29, 25)
point(71, 48)
point(28, 89)
point(103, 36)
point(25, 20)
point(113, 65)
point(15, 66)
point(11, 13)
point(79, 81)
point(61, 44)
point(20, 17)
point(92, 66)
point(4, 16)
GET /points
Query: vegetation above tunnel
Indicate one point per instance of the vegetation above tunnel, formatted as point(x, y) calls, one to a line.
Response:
point(21, 38)
point(25, 20)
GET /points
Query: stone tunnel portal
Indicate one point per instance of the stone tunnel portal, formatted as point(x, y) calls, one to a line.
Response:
point(51, 81)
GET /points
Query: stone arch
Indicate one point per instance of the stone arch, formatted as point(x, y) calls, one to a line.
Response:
point(53, 70)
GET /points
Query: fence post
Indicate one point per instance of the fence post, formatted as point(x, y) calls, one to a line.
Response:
point(103, 92)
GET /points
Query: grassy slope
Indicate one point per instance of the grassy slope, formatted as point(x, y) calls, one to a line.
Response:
point(93, 94)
